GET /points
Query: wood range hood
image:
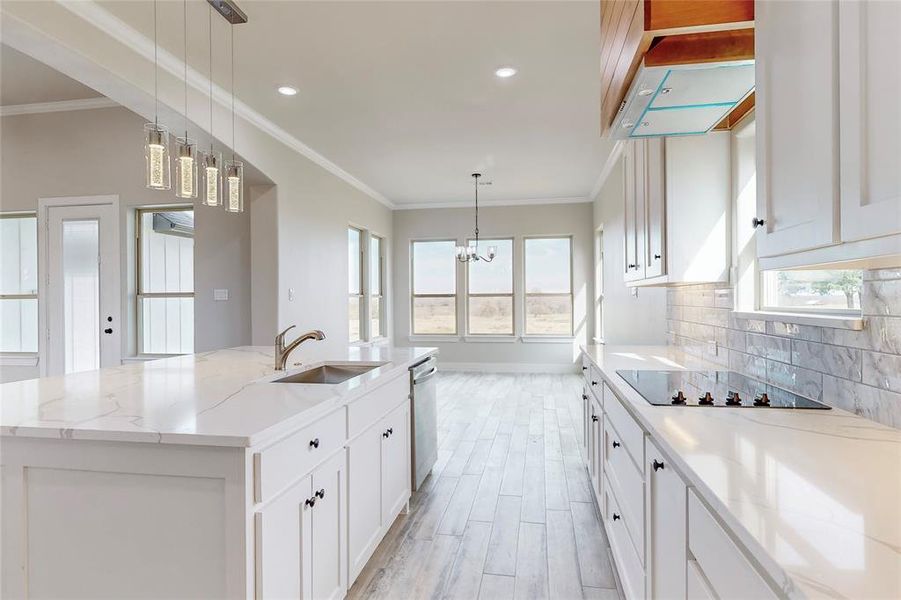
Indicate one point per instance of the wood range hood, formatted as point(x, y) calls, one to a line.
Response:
point(645, 41)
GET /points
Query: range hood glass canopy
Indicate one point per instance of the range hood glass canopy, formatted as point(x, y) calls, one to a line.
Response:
point(682, 100)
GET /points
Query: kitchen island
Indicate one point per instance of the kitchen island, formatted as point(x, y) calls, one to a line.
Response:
point(199, 476)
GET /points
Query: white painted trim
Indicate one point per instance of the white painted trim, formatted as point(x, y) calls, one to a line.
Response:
point(434, 338)
point(608, 167)
point(547, 339)
point(142, 358)
point(510, 367)
point(833, 321)
point(490, 203)
point(491, 339)
point(136, 41)
point(59, 106)
point(18, 359)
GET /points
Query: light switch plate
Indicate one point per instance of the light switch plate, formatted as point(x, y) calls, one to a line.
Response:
point(712, 347)
point(290, 294)
point(220, 295)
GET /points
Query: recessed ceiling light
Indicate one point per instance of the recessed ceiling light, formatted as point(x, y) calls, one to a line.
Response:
point(645, 92)
point(287, 90)
point(505, 72)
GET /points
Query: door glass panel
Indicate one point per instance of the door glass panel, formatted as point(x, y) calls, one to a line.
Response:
point(81, 288)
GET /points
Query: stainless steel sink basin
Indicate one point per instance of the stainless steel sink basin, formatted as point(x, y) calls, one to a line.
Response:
point(329, 373)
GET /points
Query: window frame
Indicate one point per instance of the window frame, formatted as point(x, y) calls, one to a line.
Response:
point(34, 296)
point(802, 310)
point(361, 296)
point(526, 294)
point(511, 295)
point(139, 278)
point(414, 295)
point(381, 295)
point(598, 284)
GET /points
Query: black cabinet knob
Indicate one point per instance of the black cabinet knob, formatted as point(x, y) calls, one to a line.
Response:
point(390, 431)
point(657, 257)
point(584, 397)
point(657, 465)
point(630, 267)
point(616, 444)
point(755, 222)
point(594, 383)
point(594, 418)
point(321, 493)
point(311, 502)
point(584, 368)
point(615, 517)
point(109, 319)
point(108, 330)
point(314, 443)
point(385, 434)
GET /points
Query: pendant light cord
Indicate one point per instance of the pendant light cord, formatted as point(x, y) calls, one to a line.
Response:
point(476, 179)
point(156, 95)
point(211, 77)
point(185, 35)
point(233, 89)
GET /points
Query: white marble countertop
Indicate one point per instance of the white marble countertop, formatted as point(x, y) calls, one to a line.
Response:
point(219, 398)
point(815, 496)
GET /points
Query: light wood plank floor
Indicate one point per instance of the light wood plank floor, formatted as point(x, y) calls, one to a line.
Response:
point(507, 511)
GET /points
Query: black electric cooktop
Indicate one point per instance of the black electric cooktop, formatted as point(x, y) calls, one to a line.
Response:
point(726, 389)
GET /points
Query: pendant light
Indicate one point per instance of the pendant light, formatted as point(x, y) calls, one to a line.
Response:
point(212, 181)
point(470, 253)
point(185, 148)
point(234, 169)
point(156, 136)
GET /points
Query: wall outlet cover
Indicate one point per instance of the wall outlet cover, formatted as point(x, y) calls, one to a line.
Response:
point(220, 295)
point(290, 294)
point(712, 348)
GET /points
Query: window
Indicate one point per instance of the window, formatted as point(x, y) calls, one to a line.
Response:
point(18, 283)
point(549, 300)
point(810, 290)
point(165, 280)
point(355, 282)
point(489, 298)
point(376, 287)
point(434, 301)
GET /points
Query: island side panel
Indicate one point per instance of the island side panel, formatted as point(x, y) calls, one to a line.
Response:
point(121, 519)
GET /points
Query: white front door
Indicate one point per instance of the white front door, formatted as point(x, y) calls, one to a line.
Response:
point(82, 321)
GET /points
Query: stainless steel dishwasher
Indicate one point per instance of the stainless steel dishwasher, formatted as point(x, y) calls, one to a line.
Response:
point(424, 418)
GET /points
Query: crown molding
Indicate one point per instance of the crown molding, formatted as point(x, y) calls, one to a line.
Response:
point(608, 166)
point(130, 37)
point(491, 203)
point(59, 106)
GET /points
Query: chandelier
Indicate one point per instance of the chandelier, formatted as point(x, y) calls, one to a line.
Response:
point(470, 253)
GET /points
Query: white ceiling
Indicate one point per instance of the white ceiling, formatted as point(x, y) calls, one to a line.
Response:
point(24, 80)
point(402, 95)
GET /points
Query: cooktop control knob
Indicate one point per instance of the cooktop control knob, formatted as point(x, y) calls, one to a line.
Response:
point(705, 400)
point(733, 399)
point(761, 400)
point(679, 398)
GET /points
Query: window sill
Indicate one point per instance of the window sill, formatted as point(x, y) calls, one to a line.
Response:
point(434, 338)
point(147, 358)
point(18, 359)
point(833, 321)
point(548, 339)
point(493, 339)
point(379, 341)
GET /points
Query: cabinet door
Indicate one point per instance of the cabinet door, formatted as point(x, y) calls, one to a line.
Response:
point(282, 544)
point(655, 208)
point(594, 450)
point(870, 121)
point(586, 420)
point(395, 439)
point(667, 527)
point(633, 197)
point(796, 121)
point(328, 530)
point(364, 497)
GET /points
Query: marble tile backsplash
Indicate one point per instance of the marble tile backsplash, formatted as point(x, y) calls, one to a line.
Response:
point(858, 371)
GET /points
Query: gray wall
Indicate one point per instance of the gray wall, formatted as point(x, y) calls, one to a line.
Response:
point(511, 221)
point(627, 318)
point(96, 152)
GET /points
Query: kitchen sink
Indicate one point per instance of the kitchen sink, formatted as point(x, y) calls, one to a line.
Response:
point(330, 373)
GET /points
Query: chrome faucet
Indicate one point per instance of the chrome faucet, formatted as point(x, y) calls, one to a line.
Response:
point(282, 351)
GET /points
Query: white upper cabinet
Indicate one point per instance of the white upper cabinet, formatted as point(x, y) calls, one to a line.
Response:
point(870, 119)
point(633, 167)
point(796, 99)
point(655, 208)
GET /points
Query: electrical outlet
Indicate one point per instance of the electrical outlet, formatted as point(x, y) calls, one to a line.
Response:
point(220, 295)
point(634, 291)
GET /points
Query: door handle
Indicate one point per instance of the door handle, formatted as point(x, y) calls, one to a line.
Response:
point(108, 330)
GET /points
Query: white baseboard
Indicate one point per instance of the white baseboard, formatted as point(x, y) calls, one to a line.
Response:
point(508, 367)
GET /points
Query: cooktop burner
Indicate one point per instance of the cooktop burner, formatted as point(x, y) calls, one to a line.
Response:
point(712, 388)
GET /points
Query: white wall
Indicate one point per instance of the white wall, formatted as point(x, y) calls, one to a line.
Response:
point(511, 221)
point(627, 319)
point(98, 152)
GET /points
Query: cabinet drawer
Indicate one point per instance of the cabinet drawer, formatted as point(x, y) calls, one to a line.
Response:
point(631, 573)
point(628, 486)
point(722, 562)
point(631, 435)
point(364, 412)
point(280, 464)
point(586, 365)
point(596, 384)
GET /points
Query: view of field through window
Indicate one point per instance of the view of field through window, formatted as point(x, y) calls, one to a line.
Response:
point(831, 290)
point(434, 287)
point(548, 286)
point(490, 302)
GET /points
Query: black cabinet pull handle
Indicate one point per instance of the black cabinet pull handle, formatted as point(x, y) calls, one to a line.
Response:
point(656, 257)
point(616, 444)
point(584, 397)
point(311, 502)
point(390, 431)
point(633, 267)
point(594, 383)
point(657, 465)
point(321, 493)
point(584, 368)
point(594, 418)
point(108, 330)
point(385, 434)
point(615, 517)
point(314, 443)
point(755, 222)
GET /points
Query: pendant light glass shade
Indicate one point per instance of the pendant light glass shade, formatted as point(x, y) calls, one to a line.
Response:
point(234, 186)
point(186, 168)
point(212, 180)
point(156, 157)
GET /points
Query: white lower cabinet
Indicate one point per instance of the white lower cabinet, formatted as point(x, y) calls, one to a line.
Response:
point(595, 444)
point(666, 526)
point(379, 483)
point(626, 559)
point(299, 538)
